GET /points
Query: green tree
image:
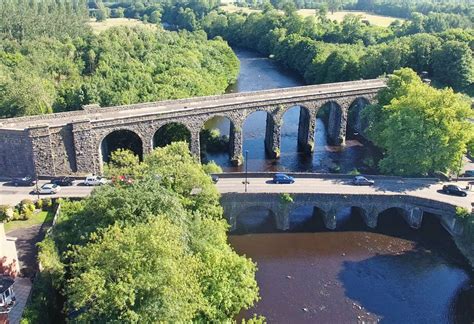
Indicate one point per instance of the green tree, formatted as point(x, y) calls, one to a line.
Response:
point(453, 65)
point(421, 130)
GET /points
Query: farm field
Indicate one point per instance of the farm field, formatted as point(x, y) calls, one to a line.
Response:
point(375, 20)
point(98, 27)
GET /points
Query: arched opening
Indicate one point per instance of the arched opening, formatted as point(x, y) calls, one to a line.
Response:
point(355, 125)
point(254, 133)
point(307, 219)
point(169, 133)
point(256, 220)
point(121, 139)
point(295, 120)
point(215, 140)
point(351, 219)
point(392, 221)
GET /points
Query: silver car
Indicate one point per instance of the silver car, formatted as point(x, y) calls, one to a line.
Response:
point(362, 181)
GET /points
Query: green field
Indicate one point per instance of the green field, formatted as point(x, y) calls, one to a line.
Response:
point(37, 218)
point(98, 27)
point(375, 20)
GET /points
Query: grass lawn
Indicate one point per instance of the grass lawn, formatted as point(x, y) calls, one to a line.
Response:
point(376, 20)
point(37, 218)
point(98, 27)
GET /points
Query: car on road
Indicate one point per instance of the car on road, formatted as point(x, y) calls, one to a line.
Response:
point(48, 189)
point(282, 178)
point(469, 173)
point(25, 181)
point(454, 190)
point(362, 181)
point(63, 181)
point(95, 181)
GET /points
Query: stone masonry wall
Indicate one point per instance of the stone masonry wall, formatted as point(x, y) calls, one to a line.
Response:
point(15, 154)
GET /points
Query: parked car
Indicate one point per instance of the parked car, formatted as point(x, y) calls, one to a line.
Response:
point(454, 190)
point(63, 181)
point(282, 178)
point(215, 178)
point(95, 181)
point(7, 295)
point(48, 189)
point(25, 181)
point(362, 181)
point(469, 173)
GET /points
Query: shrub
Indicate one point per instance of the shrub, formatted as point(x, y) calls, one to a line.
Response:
point(27, 204)
point(26, 214)
point(286, 198)
point(211, 167)
point(6, 213)
point(354, 172)
point(39, 204)
point(462, 212)
point(47, 203)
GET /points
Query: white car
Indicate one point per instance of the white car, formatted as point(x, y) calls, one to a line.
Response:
point(95, 181)
point(48, 189)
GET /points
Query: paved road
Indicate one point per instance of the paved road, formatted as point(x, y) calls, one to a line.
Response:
point(420, 188)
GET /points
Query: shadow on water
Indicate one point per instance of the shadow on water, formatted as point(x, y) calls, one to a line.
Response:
point(404, 287)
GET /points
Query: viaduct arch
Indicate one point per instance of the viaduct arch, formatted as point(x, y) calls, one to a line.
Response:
point(70, 143)
point(370, 206)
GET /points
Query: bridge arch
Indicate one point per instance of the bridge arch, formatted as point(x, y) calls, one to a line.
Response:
point(255, 219)
point(296, 126)
point(216, 136)
point(355, 123)
point(262, 131)
point(392, 215)
point(169, 133)
point(120, 139)
point(353, 216)
point(307, 218)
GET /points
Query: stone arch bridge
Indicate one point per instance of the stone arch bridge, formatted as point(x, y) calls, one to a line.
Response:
point(370, 206)
point(70, 143)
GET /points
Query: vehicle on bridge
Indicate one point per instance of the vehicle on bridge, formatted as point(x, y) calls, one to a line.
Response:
point(63, 181)
point(95, 181)
point(454, 190)
point(362, 181)
point(282, 178)
point(25, 181)
point(48, 189)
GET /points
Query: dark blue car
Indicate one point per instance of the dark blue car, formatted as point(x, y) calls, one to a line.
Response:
point(282, 178)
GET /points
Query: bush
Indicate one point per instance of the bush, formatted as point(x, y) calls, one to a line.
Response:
point(26, 214)
point(6, 213)
point(285, 198)
point(354, 172)
point(39, 204)
point(47, 203)
point(211, 167)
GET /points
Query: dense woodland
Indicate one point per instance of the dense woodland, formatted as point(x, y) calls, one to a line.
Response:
point(51, 61)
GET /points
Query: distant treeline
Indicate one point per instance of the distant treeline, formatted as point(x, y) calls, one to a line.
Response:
point(51, 61)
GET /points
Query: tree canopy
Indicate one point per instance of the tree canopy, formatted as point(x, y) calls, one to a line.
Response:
point(421, 130)
point(153, 250)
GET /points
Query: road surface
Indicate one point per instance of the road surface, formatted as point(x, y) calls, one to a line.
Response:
point(12, 195)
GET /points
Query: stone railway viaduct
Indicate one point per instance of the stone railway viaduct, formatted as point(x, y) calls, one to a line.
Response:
point(71, 143)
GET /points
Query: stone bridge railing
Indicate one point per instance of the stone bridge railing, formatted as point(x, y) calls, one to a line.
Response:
point(371, 206)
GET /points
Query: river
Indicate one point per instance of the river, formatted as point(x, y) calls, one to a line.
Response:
point(259, 73)
point(310, 275)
